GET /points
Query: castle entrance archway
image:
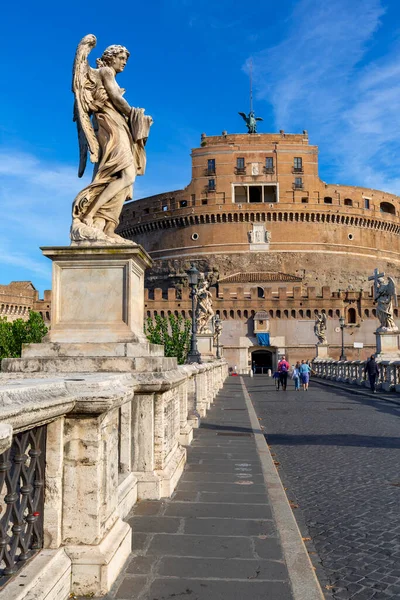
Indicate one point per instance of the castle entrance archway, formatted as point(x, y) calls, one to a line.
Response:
point(262, 360)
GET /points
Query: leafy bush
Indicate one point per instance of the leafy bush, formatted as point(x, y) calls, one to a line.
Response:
point(15, 333)
point(172, 332)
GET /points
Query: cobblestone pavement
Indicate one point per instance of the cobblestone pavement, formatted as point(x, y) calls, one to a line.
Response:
point(216, 538)
point(338, 455)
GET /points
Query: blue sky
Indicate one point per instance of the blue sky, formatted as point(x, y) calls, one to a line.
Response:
point(331, 68)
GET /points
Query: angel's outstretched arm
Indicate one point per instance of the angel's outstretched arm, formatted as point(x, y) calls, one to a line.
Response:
point(114, 92)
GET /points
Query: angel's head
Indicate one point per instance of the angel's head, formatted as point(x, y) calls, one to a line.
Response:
point(115, 57)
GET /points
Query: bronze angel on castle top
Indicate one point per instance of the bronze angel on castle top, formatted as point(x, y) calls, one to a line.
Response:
point(114, 134)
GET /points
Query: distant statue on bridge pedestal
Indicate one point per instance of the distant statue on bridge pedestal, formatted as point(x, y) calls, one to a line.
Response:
point(385, 298)
point(320, 331)
point(320, 328)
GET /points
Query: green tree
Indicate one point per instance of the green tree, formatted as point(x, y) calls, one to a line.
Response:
point(171, 332)
point(15, 333)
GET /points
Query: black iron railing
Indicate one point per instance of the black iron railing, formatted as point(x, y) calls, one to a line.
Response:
point(22, 470)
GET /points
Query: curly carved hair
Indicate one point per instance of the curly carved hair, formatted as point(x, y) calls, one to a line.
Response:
point(110, 53)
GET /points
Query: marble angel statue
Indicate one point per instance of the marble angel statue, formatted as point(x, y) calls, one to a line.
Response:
point(385, 297)
point(114, 134)
point(204, 310)
point(320, 328)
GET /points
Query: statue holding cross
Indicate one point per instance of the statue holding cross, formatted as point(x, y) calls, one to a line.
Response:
point(385, 297)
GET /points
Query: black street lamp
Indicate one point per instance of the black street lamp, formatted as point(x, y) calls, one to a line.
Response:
point(342, 325)
point(194, 355)
point(217, 329)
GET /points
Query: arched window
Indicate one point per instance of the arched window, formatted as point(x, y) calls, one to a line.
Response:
point(246, 314)
point(286, 314)
point(301, 313)
point(278, 314)
point(351, 316)
point(225, 314)
point(293, 314)
point(239, 314)
point(337, 312)
point(328, 200)
point(374, 312)
point(330, 313)
point(232, 314)
point(162, 313)
point(260, 292)
point(366, 312)
point(308, 314)
point(48, 316)
point(396, 312)
point(387, 207)
point(348, 202)
point(271, 314)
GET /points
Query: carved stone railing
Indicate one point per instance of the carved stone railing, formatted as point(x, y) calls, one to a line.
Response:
point(110, 439)
point(353, 372)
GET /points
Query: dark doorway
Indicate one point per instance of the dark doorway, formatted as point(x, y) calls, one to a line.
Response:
point(255, 193)
point(261, 361)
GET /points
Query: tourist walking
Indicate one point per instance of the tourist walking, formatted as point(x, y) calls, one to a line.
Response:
point(296, 376)
point(283, 370)
point(371, 367)
point(305, 371)
point(277, 381)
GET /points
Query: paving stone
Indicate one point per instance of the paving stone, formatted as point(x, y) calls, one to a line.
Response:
point(139, 541)
point(203, 589)
point(238, 511)
point(193, 568)
point(268, 548)
point(233, 498)
point(236, 488)
point(236, 527)
point(154, 524)
point(200, 545)
point(130, 587)
point(140, 565)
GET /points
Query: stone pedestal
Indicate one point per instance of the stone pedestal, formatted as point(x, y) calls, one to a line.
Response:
point(205, 345)
point(321, 351)
point(97, 315)
point(387, 345)
point(98, 294)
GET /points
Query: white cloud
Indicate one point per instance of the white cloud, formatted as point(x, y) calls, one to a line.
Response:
point(319, 78)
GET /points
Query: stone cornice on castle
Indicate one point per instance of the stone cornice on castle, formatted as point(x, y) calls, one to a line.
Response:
point(251, 214)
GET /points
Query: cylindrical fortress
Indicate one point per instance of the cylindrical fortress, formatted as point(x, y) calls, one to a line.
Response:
point(256, 203)
point(276, 241)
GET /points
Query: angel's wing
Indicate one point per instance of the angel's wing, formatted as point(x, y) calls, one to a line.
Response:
point(81, 87)
point(392, 290)
point(243, 115)
point(259, 119)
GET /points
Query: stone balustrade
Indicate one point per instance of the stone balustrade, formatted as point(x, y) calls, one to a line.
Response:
point(353, 372)
point(110, 439)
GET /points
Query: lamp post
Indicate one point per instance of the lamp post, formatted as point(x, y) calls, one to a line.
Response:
point(194, 355)
point(342, 326)
point(217, 329)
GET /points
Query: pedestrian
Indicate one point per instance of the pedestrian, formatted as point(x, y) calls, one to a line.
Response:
point(305, 370)
point(283, 370)
point(372, 369)
point(296, 376)
point(277, 382)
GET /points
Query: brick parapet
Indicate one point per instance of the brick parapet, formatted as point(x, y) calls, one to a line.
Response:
point(283, 303)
